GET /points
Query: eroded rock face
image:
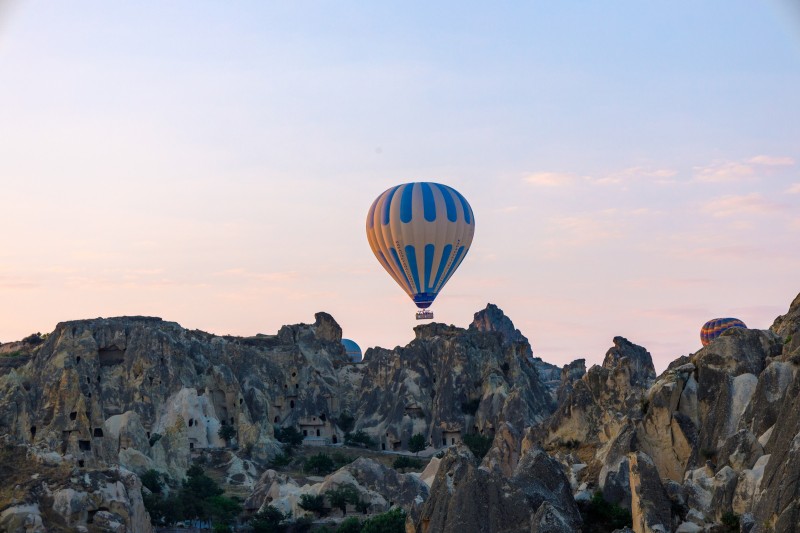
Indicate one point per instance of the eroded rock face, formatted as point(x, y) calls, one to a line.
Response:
point(379, 486)
point(449, 382)
point(650, 505)
point(467, 498)
point(601, 403)
point(60, 496)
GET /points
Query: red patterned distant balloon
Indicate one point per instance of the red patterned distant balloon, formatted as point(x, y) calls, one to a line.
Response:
point(713, 328)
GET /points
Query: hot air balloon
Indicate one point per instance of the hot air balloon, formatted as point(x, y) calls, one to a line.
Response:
point(714, 327)
point(420, 233)
point(352, 350)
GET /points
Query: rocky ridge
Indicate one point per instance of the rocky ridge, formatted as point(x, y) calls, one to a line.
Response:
point(713, 437)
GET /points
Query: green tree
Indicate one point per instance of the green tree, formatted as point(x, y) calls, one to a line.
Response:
point(196, 490)
point(349, 525)
point(416, 443)
point(341, 459)
point(226, 432)
point(342, 495)
point(320, 464)
point(223, 509)
point(162, 510)
point(360, 439)
point(479, 445)
point(392, 521)
point(346, 422)
point(289, 436)
point(270, 520)
point(403, 462)
point(606, 515)
point(152, 480)
point(313, 503)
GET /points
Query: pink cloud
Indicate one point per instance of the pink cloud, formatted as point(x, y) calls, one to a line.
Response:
point(793, 189)
point(550, 179)
point(729, 171)
point(771, 161)
point(734, 205)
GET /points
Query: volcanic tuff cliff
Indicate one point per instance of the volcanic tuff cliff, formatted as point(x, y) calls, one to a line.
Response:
point(716, 435)
point(143, 393)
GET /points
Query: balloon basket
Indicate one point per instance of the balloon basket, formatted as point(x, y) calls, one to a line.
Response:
point(424, 314)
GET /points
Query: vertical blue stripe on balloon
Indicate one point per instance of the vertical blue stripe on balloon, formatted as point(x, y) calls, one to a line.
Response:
point(450, 205)
point(411, 257)
point(428, 202)
point(455, 264)
point(430, 249)
point(464, 205)
point(387, 204)
point(406, 204)
point(384, 262)
point(400, 266)
point(371, 215)
point(442, 262)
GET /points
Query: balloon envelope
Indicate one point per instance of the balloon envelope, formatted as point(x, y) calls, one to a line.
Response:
point(352, 350)
point(714, 327)
point(420, 234)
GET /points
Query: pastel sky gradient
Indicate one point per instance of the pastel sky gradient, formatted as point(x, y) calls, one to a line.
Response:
point(634, 168)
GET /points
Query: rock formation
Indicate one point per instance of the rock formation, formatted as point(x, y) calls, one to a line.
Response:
point(714, 438)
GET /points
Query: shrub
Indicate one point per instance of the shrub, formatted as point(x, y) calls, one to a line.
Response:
point(416, 443)
point(346, 422)
point(226, 432)
point(342, 495)
point(289, 436)
point(359, 438)
point(281, 459)
point(403, 462)
point(270, 520)
point(730, 520)
point(340, 459)
point(479, 445)
point(313, 504)
point(152, 480)
point(392, 521)
point(603, 515)
point(320, 464)
point(349, 525)
point(33, 339)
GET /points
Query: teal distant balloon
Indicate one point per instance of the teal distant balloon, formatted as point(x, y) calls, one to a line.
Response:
point(352, 350)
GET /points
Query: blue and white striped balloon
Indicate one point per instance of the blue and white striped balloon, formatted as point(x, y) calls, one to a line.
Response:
point(420, 233)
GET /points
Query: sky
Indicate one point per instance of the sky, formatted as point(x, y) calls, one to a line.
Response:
point(634, 168)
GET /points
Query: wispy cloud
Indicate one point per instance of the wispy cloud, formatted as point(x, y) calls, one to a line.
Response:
point(634, 173)
point(753, 203)
point(13, 282)
point(578, 230)
point(771, 161)
point(729, 171)
point(243, 273)
point(551, 179)
point(793, 189)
